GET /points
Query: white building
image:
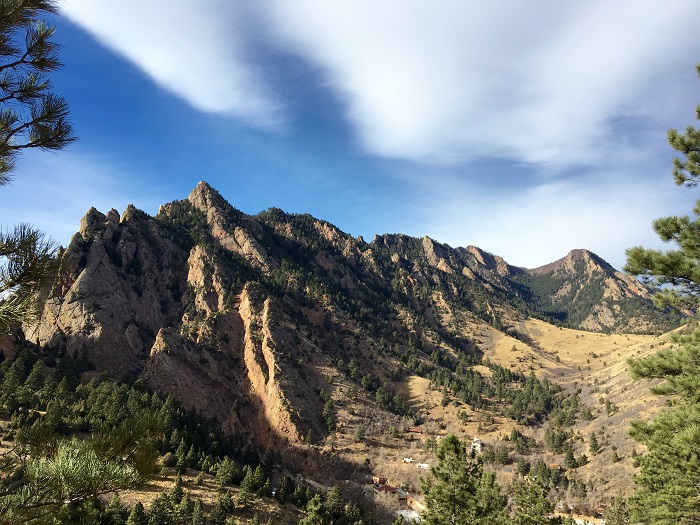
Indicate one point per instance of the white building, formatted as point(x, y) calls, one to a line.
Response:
point(477, 445)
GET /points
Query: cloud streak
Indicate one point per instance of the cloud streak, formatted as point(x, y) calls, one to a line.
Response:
point(195, 50)
point(536, 81)
point(570, 100)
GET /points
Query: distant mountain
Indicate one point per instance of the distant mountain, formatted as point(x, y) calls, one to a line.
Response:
point(583, 291)
point(245, 318)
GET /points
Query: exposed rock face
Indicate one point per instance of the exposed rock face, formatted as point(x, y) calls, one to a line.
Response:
point(180, 368)
point(268, 380)
point(119, 282)
point(137, 304)
point(493, 262)
point(582, 265)
point(232, 229)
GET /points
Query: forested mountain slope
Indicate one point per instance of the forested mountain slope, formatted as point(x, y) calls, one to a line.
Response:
point(244, 318)
point(583, 291)
point(326, 349)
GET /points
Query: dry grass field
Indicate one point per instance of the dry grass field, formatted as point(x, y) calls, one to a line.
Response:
point(595, 365)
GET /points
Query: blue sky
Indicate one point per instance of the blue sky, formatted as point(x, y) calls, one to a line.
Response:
point(525, 128)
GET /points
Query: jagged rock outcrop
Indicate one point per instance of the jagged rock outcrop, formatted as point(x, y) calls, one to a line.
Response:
point(582, 265)
point(119, 282)
point(232, 229)
point(137, 303)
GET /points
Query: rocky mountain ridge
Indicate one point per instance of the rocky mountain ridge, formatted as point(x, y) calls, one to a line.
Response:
point(248, 318)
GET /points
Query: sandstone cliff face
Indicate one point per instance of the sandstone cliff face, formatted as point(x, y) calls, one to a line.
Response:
point(136, 303)
point(230, 371)
point(119, 282)
point(269, 383)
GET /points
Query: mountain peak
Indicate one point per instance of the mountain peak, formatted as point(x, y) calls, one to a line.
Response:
point(203, 197)
point(572, 261)
point(583, 278)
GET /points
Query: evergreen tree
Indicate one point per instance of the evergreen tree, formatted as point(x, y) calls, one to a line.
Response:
point(490, 503)
point(353, 515)
point(198, 517)
point(359, 434)
point(246, 487)
point(335, 502)
point(115, 513)
point(217, 516)
point(532, 507)
point(618, 512)
point(258, 479)
point(687, 172)
point(300, 497)
point(569, 459)
point(74, 473)
point(226, 502)
point(286, 489)
point(680, 267)
point(32, 385)
point(593, 445)
point(137, 516)
point(665, 495)
point(161, 510)
point(11, 383)
point(191, 457)
point(266, 489)
point(31, 116)
point(315, 513)
point(523, 466)
point(183, 512)
point(226, 471)
point(177, 492)
point(455, 493)
point(181, 454)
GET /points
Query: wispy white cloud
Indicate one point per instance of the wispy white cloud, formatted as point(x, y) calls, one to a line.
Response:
point(605, 212)
point(535, 81)
point(193, 49)
point(546, 84)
